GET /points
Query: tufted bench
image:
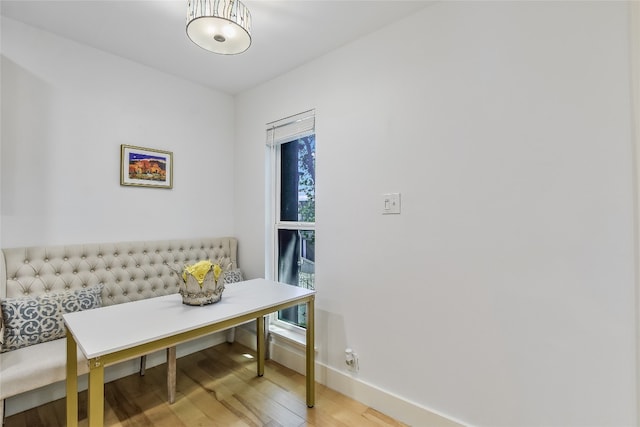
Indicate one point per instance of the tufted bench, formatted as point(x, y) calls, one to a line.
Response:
point(83, 276)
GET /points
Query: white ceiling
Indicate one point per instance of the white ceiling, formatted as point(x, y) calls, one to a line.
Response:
point(285, 33)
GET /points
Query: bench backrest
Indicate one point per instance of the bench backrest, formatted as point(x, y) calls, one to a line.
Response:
point(129, 271)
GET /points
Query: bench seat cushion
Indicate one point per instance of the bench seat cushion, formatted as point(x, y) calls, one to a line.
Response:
point(36, 366)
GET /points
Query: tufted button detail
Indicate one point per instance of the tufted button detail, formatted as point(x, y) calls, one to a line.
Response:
point(99, 255)
point(66, 258)
point(83, 257)
point(146, 277)
point(67, 287)
point(26, 261)
point(166, 286)
point(157, 251)
point(131, 280)
point(26, 292)
point(84, 285)
point(37, 275)
point(57, 273)
point(138, 265)
point(115, 254)
point(130, 253)
point(92, 270)
point(108, 268)
point(124, 293)
point(75, 271)
point(46, 260)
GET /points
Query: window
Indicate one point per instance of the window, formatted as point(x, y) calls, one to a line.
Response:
point(292, 147)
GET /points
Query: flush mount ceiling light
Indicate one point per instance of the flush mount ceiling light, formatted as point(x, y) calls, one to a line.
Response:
point(220, 26)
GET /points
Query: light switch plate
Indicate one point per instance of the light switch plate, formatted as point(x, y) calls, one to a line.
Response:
point(391, 203)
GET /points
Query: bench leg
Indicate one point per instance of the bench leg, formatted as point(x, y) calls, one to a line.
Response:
point(231, 335)
point(2, 412)
point(171, 374)
point(143, 365)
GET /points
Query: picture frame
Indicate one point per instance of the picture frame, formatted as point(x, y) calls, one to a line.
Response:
point(146, 167)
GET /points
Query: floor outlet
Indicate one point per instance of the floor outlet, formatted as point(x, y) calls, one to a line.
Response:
point(351, 359)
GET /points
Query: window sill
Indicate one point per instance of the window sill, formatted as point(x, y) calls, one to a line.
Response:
point(292, 337)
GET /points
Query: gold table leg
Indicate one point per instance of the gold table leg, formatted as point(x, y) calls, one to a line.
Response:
point(72, 381)
point(96, 393)
point(311, 364)
point(260, 345)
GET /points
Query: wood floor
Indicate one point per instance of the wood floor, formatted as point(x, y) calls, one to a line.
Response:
point(215, 387)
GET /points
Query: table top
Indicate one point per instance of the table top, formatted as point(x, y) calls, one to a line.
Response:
point(117, 327)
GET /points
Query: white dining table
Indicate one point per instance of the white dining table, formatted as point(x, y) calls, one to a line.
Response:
point(119, 332)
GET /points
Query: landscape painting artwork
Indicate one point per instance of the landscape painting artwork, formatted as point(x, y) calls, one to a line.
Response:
point(146, 167)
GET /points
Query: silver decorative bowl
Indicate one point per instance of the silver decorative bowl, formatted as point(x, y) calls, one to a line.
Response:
point(193, 294)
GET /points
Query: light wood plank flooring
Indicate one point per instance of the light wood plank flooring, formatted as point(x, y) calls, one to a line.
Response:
point(215, 387)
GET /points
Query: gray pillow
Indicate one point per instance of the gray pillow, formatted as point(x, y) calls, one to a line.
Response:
point(32, 320)
point(233, 276)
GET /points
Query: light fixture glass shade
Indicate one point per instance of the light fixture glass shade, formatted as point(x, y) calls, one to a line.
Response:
point(220, 26)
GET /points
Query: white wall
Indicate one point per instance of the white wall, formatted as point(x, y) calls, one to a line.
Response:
point(503, 295)
point(66, 108)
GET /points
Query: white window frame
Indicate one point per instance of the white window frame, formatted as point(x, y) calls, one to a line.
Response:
point(278, 133)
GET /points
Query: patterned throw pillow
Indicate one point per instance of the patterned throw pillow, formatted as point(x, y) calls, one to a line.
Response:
point(233, 276)
point(32, 320)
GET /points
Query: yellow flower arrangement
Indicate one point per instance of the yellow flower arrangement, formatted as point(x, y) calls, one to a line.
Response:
point(200, 269)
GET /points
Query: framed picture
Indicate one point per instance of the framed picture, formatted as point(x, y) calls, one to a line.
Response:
point(146, 167)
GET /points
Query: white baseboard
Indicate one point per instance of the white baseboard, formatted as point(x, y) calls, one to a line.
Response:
point(33, 398)
point(388, 403)
point(292, 355)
